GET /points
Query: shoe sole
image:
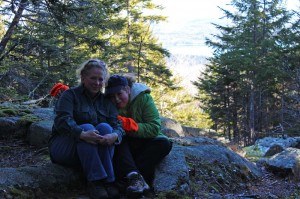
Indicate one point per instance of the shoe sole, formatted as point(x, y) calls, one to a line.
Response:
point(134, 195)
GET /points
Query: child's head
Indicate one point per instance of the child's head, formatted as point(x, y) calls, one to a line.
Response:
point(118, 90)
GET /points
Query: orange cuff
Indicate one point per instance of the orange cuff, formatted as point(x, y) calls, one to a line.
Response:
point(129, 125)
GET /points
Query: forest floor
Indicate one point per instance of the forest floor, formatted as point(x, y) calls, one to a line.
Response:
point(16, 153)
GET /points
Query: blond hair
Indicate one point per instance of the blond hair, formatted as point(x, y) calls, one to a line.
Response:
point(89, 64)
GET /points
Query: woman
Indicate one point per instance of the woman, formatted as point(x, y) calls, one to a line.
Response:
point(144, 145)
point(86, 129)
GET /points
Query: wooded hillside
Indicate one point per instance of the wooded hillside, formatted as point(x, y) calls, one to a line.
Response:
point(250, 86)
point(45, 41)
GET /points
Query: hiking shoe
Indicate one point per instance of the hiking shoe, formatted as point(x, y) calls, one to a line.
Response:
point(112, 191)
point(121, 185)
point(96, 190)
point(136, 184)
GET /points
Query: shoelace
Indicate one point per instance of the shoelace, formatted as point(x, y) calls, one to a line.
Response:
point(136, 180)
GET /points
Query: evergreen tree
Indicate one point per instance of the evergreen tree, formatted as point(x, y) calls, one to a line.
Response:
point(242, 83)
point(137, 49)
point(51, 38)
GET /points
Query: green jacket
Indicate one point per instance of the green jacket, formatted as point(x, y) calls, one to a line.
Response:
point(143, 111)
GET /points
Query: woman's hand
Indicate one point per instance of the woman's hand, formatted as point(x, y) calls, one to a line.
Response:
point(91, 136)
point(108, 139)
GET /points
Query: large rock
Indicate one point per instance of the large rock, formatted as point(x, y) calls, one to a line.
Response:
point(171, 128)
point(44, 113)
point(219, 156)
point(285, 163)
point(196, 141)
point(48, 177)
point(8, 126)
point(284, 142)
point(191, 131)
point(40, 132)
point(172, 173)
point(269, 146)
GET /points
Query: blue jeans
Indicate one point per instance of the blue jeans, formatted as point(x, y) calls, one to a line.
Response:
point(95, 160)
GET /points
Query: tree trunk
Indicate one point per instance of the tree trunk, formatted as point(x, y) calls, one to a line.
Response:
point(12, 26)
point(251, 115)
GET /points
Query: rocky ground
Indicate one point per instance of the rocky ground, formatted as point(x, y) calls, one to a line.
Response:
point(268, 186)
point(16, 153)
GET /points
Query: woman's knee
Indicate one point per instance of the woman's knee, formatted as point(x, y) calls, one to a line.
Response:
point(104, 128)
point(87, 127)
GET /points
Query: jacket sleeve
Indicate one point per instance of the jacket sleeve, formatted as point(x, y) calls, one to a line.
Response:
point(147, 117)
point(64, 122)
point(115, 123)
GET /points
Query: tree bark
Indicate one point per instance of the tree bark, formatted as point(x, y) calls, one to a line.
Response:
point(12, 26)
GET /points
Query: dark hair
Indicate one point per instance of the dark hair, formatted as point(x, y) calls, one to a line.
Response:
point(115, 84)
point(130, 79)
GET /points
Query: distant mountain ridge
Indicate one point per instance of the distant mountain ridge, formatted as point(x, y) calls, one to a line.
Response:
point(186, 42)
point(188, 68)
point(186, 37)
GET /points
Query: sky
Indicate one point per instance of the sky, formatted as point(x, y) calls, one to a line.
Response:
point(200, 14)
point(188, 9)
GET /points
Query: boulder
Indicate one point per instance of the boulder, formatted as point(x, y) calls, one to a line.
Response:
point(167, 123)
point(191, 131)
point(40, 132)
point(172, 173)
point(44, 113)
point(196, 141)
point(269, 146)
point(285, 163)
point(8, 126)
point(220, 156)
point(47, 177)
